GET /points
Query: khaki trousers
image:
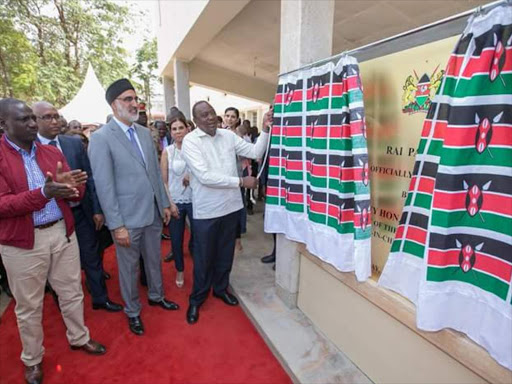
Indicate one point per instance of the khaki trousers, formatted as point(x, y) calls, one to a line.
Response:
point(56, 259)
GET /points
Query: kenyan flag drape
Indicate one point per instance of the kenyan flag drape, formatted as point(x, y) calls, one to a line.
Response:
point(452, 254)
point(318, 184)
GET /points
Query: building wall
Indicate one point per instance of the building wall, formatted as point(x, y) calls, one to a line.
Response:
point(175, 19)
point(383, 348)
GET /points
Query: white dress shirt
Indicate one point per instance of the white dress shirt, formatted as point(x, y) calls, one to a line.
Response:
point(125, 129)
point(46, 141)
point(212, 161)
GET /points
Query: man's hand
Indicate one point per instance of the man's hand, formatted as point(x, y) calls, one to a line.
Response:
point(268, 119)
point(99, 220)
point(167, 216)
point(175, 212)
point(122, 237)
point(249, 182)
point(52, 190)
point(73, 178)
point(186, 180)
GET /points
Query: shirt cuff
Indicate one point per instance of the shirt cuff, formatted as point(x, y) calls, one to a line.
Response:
point(42, 193)
point(234, 182)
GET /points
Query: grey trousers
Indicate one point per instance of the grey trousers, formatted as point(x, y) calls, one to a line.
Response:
point(145, 241)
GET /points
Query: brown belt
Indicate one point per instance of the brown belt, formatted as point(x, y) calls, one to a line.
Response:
point(47, 225)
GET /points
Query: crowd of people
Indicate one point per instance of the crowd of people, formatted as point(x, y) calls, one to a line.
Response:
point(65, 196)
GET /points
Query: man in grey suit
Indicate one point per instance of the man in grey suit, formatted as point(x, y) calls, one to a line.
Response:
point(133, 198)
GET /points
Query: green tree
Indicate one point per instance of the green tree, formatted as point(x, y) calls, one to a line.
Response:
point(51, 42)
point(144, 70)
point(18, 73)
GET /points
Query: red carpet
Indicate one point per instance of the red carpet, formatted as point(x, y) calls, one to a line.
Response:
point(223, 347)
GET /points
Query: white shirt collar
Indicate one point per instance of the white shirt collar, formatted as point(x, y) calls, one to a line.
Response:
point(46, 141)
point(123, 126)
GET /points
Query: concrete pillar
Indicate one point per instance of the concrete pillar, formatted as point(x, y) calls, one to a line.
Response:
point(169, 97)
point(306, 36)
point(182, 87)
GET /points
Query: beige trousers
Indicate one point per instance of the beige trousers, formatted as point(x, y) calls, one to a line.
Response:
point(56, 259)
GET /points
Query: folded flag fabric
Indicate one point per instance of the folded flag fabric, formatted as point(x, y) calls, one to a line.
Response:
point(318, 184)
point(452, 254)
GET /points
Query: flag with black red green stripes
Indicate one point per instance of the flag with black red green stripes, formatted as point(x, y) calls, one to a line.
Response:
point(318, 184)
point(452, 254)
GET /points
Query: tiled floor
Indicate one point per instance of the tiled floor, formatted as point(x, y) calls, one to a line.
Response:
point(307, 355)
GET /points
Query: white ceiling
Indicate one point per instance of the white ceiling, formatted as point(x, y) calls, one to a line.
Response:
point(249, 44)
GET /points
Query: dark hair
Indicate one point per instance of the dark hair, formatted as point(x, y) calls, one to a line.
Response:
point(196, 105)
point(159, 122)
point(173, 112)
point(234, 110)
point(177, 118)
point(192, 125)
point(6, 104)
point(219, 119)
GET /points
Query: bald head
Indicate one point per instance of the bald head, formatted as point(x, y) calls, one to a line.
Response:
point(48, 119)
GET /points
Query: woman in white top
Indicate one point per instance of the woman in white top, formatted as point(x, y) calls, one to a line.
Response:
point(175, 175)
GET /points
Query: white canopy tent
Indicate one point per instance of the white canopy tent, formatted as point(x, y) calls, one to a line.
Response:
point(89, 104)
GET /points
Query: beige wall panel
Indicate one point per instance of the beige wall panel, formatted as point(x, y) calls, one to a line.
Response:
point(394, 118)
point(383, 348)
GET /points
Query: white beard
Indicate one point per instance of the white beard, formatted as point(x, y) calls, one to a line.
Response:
point(125, 114)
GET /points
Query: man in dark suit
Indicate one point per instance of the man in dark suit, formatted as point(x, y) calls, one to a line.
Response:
point(87, 214)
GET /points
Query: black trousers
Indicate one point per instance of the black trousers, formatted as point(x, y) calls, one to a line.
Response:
point(90, 258)
point(214, 247)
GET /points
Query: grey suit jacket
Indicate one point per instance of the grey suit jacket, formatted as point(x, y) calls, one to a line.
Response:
point(127, 188)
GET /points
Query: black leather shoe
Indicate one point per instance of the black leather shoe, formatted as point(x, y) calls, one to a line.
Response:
point(268, 259)
point(34, 374)
point(165, 304)
point(165, 237)
point(108, 306)
point(91, 347)
point(106, 275)
point(227, 298)
point(136, 325)
point(192, 314)
point(169, 257)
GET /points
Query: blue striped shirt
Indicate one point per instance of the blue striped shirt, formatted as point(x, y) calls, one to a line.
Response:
point(51, 212)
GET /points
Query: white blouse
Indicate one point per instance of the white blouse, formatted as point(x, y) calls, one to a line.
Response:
point(177, 169)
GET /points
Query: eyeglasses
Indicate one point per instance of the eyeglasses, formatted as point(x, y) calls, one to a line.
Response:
point(128, 99)
point(49, 118)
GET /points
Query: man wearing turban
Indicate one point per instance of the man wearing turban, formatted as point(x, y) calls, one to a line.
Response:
point(133, 198)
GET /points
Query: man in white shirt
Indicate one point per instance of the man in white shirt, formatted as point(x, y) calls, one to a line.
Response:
point(210, 154)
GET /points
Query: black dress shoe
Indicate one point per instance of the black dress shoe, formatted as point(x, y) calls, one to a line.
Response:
point(169, 257)
point(91, 347)
point(34, 374)
point(136, 325)
point(165, 237)
point(268, 259)
point(108, 306)
point(192, 314)
point(227, 298)
point(106, 275)
point(165, 304)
